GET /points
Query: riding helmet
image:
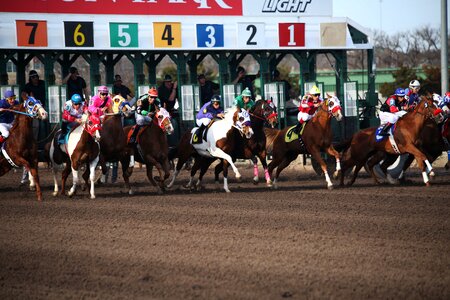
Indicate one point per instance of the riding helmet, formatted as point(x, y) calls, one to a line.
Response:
point(246, 93)
point(414, 84)
point(76, 99)
point(314, 90)
point(9, 94)
point(103, 89)
point(152, 92)
point(400, 92)
point(216, 98)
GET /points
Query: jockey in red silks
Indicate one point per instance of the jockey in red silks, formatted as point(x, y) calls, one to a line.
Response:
point(308, 107)
point(100, 102)
point(393, 109)
point(73, 111)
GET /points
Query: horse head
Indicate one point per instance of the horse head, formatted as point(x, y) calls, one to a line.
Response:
point(35, 109)
point(163, 119)
point(429, 109)
point(92, 125)
point(265, 110)
point(334, 107)
point(241, 121)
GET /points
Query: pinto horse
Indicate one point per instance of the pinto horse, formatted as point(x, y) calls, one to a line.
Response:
point(406, 139)
point(152, 149)
point(262, 113)
point(317, 135)
point(20, 149)
point(222, 140)
point(82, 148)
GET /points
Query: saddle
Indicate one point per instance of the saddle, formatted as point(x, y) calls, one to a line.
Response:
point(138, 135)
point(201, 133)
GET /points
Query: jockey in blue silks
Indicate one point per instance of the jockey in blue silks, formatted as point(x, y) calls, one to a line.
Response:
point(208, 112)
point(73, 111)
point(6, 117)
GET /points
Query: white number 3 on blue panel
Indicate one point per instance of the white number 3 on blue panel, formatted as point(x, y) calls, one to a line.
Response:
point(209, 35)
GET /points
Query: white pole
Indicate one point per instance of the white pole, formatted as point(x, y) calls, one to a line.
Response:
point(444, 48)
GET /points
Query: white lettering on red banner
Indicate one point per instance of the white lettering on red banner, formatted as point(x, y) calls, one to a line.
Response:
point(128, 7)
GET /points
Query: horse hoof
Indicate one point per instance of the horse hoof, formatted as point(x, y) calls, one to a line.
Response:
point(32, 188)
point(227, 190)
point(92, 197)
point(336, 174)
point(239, 179)
point(269, 184)
point(330, 187)
point(392, 180)
point(130, 192)
point(55, 194)
point(432, 174)
point(275, 187)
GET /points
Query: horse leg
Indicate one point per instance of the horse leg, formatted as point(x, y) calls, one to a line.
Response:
point(337, 156)
point(151, 179)
point(182, 159)
point(92, 166)
point(64, 174)
point(420, 158)
point(217, 170)
point(358, 167)
point(221, 154)
point(374, 160)
point(75, 179)
point(126, 175)
point(204, 167)
point(86, 175)
point(194, 169)
point(290, 157)
point(315, 153)
point(225, 176)
point(255, 170)
point(34, 173)
point(55, 181)
point(262, 159)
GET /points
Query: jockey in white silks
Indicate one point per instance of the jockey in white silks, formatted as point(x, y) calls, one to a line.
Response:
point(393, 109)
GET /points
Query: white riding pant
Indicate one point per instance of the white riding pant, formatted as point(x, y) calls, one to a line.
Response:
point(4, 129)
point(304, 116)
point(392, 118)
point(143, 120)
point(204, 121)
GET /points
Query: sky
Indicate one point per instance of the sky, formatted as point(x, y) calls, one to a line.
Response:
point(392, 16)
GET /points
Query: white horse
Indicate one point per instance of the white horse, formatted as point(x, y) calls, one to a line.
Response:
point(82, 147)
point(216, 135)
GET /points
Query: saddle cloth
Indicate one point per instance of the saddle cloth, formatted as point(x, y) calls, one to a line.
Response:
point(197, 138)
point(379, 138)
point(130, 133)
point(291, 136)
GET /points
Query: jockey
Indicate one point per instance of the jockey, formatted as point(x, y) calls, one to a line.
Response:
point(147, 106)
point(73, 111)
point(308, 107)
point(208, 112)
point(393, 109)
point(444, 104)
point(244, 100)
point(101, 102)
point(6, 117)
point(120, 104)
point(412, 93)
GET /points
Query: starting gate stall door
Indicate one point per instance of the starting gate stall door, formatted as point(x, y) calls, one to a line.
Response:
point(275, 91)
point(190, 104)
point(351, 107)
point(230, 92)
point(4, 88)
point(142, 90)
point(56, 101)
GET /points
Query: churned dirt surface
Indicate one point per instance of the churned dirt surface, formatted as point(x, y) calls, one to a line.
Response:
point(301, 241)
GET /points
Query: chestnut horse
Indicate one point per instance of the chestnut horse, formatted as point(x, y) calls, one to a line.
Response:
point(433, 141)
point(82, 148)
point(152, 149)
point(221, 143)
point(407, 140)
point(317, 135)
point(20, 149)
point(262, 113)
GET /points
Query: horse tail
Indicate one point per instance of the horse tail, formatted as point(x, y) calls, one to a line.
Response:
point(343, 145)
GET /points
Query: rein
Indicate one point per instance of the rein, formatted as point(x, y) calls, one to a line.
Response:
point(18, 112)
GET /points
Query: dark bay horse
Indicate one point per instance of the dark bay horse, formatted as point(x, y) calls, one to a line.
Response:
point(152, 149)
point(407, 140)
point(220, 144)
point(20, 149)
point(262, 113)
point(113, 146)
point(82, 148)
point(317, 135)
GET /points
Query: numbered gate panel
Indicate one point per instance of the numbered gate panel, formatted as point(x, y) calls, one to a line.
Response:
point(210, 35)
point(123, 35)
point(31, 33)
point(79, 34)
point(251, 35)
point(291, 34)
point(167, 35)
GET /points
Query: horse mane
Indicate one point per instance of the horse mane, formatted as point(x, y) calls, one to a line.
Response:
point(18, 107)
point(229, 114)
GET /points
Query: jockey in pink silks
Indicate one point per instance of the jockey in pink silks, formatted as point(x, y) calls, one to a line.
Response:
point(101, 102)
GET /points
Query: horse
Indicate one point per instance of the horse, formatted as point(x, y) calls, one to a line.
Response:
point(82, 148)
point(317, 135)
point(113, 146)
point(433, 141)
point(261, 114)
point(221, 142)
point(405, 139)
point(152, 149)
point(20, 149)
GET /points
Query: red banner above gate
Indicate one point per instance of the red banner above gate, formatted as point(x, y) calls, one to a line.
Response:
point(128, 7)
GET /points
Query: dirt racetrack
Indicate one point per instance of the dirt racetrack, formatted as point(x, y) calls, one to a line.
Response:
point(302, 241)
